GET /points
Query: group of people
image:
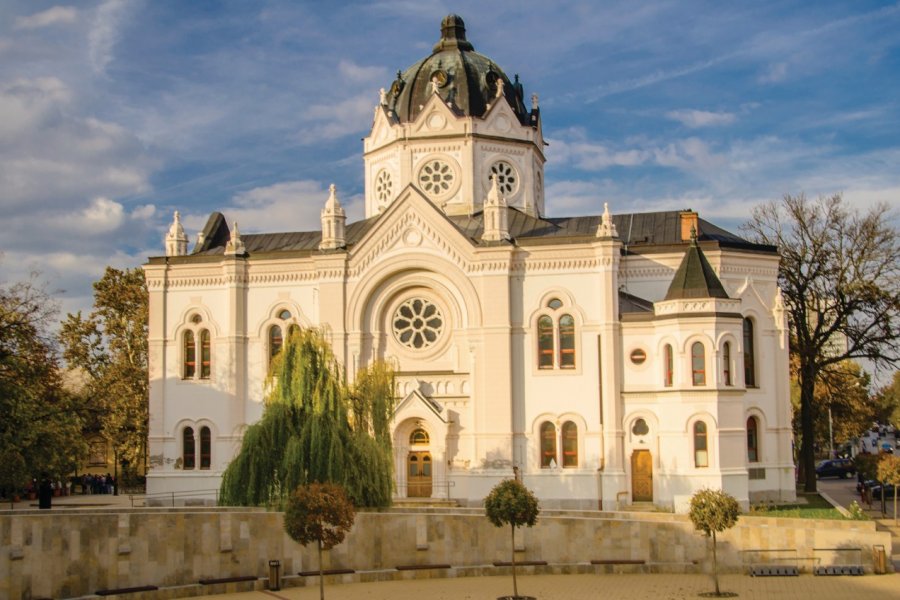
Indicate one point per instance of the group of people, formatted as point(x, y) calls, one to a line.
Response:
point(97, 484)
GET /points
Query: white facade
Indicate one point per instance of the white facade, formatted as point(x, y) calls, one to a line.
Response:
point(454, 290)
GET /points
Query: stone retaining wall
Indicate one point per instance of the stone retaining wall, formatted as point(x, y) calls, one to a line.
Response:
point(71, 553)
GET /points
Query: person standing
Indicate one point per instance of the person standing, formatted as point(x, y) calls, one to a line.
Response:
point(45, 492)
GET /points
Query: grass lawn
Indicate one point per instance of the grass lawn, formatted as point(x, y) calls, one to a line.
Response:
point(808, 506)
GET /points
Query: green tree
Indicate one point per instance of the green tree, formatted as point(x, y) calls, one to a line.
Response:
point(840, 279)
point(511, 503)
point(714, 511)
point(110, 346)
point(889, 472)
point(40, 424)
point(315, 429)
point(321, 513)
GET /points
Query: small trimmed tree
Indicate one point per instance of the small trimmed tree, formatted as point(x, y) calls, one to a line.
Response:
point(713, 511)
point(889, 472)
point(510, 502)
point(321, 513)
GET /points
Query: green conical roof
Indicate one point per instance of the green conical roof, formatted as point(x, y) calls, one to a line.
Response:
point(695, 277)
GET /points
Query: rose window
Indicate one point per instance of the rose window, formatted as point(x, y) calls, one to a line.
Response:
point(436, 177)
point(383, 187)
point(418, 323)
point(505, 174)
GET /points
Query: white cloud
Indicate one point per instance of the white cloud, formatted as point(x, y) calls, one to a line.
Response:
point(145, 211)
point(360, 74)
point(775, 73)
point(353, 115)
point(52, 16)
point(104, 33)
point(701, 118)
point(688, 154)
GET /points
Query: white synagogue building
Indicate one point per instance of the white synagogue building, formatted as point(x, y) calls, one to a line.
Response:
point(610, 359)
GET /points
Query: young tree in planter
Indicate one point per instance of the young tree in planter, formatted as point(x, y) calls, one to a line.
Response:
point(713, 511)
point(510, 502)
point(321, 513)
point(889, 472)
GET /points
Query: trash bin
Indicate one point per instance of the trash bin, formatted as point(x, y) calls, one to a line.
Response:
point(275, 574)
point(879, 560)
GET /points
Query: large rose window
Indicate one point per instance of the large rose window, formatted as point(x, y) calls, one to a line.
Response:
point(436, 177)
point(418, 323)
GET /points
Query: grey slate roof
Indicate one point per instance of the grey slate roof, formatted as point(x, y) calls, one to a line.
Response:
point(695, 277)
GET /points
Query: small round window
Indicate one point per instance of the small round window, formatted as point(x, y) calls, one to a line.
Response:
point(383, 187)
point(505, 173)
point(418, 323)
point(196, 319)
point(638, 356)
point(640, 427)
point(437, 178)
point(284, 315)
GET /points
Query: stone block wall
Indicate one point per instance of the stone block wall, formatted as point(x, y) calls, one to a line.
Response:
point(71, 553)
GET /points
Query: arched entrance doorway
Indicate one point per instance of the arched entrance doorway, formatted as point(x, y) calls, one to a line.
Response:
point(418, 465)
point(641, 476)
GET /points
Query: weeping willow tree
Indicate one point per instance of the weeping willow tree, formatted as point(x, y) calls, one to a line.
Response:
point(316, 429)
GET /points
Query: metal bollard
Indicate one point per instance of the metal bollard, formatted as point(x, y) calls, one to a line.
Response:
point(879, 560)
point(274, 575)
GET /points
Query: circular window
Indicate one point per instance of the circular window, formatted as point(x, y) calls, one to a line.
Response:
point(554, 303)
point(284, 315)
point(638, 356)
point(383, 187)
point(436, 178)
point(505, 173)
point(418, 323)
point(640, 427)
point(196, 319)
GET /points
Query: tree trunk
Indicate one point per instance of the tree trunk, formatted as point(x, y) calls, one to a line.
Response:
point(515, 585)
point(321, 574)
point(807, 375)
point(715, 564)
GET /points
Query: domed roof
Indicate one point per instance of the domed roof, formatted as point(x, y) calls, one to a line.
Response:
point(465, 79)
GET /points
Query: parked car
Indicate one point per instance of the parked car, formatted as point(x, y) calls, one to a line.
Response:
point(835, 467)
point(888, 491)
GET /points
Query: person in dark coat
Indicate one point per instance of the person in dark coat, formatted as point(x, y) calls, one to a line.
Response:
point(45, 492)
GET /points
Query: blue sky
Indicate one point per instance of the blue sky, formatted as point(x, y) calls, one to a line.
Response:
point(114, 113)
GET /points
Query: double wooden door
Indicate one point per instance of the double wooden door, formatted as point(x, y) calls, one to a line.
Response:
point(418, 474)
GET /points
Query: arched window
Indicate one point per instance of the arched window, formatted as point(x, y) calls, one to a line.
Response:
point(188, 453)
point(276, 341)
point(418, 437)
point(566, 342)
point(726, 363)
point(570, 444)
point(205, 354)
point(205, 448)
point(548, 445)
point(749, 355)
point(190, 355)
point(670, 365)
point(701, 455)
point(752, 440)
point(698, 363)
point(545, 343)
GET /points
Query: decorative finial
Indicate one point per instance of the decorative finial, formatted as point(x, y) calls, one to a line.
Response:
point(176, 240)
point(693, 235)
point(235, 245)
point(500, 84)
point(607, 228)
point(534, 102)
point(382, 97)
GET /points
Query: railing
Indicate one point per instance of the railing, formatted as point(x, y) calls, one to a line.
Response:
point(421, 488)
point(173, 498)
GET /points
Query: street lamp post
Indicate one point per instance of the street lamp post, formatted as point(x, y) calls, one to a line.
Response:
point(830, 435)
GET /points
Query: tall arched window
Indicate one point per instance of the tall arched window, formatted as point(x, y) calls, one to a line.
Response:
point(570, 444)
point(205, 448)
point(698, 363)
point(669, 359)
point(726, 363)
point(190, 355)
point(276, 341)
point(418, 437)
point(188, 453)
point(752, 440)
point(205, 354)
point(545, 343)
point(566, 342)
point(548, 445)
point(749, 355)
point(701, 455)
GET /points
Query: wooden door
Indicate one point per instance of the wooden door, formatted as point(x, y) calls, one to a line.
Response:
point(419, 475)
point(641, 476)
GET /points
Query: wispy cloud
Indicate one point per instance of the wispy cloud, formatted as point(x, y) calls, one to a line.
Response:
point(57, 15)
point(774, 73)
point(701, 118)
point(104, 33)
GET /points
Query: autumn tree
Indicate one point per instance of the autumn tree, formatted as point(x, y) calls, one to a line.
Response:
point(110, 347)
point(887, 401)
point(321, 513)
point(714, 511)
point(840, 279)
point(316, 429)
point(511, 503)
point(889, 473)
point(40, 423)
